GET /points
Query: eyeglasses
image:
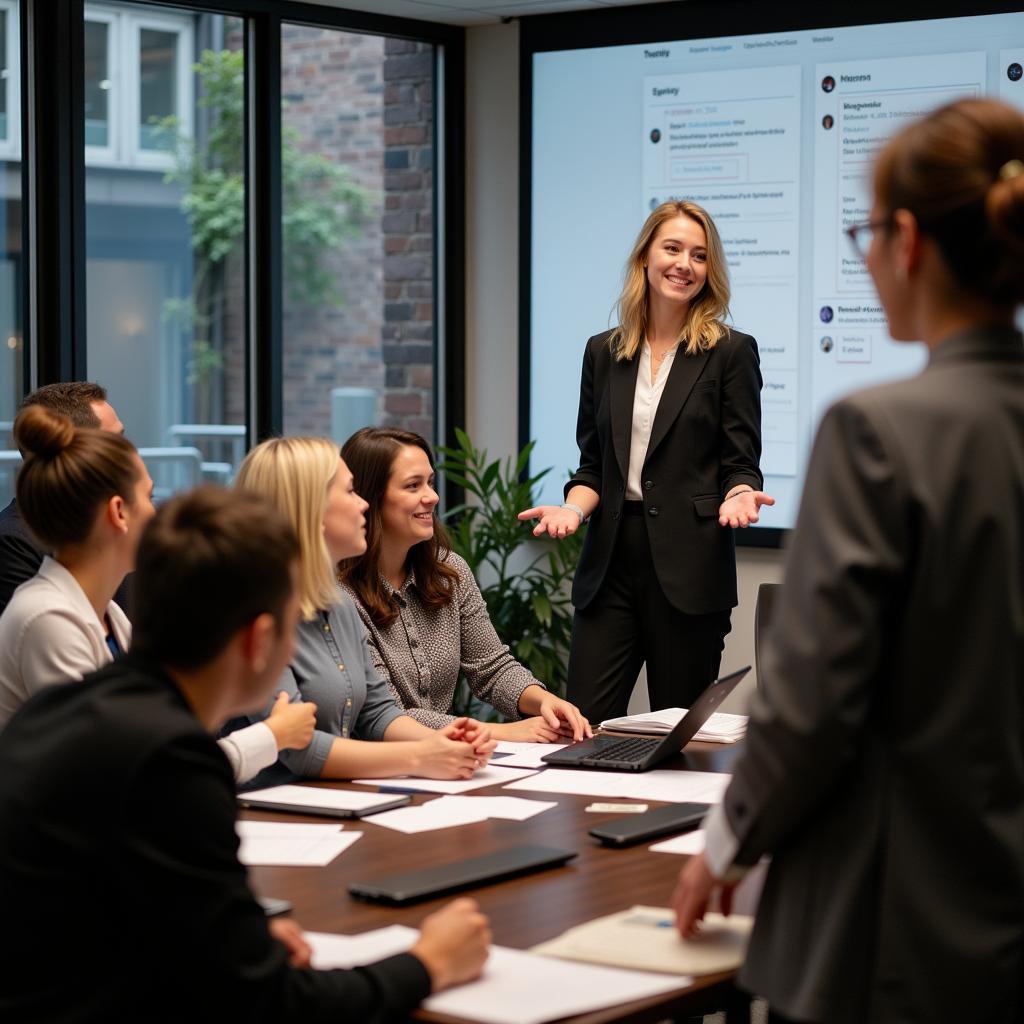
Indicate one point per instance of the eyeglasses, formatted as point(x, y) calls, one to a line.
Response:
point(860, 235)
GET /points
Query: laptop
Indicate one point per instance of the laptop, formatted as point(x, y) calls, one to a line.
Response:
point(633, 754)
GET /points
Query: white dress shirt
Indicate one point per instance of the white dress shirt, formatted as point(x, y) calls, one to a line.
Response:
point(50, 633)
point(645, 406)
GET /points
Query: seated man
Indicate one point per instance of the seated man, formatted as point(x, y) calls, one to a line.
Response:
point(119, 874)
point(86, 405)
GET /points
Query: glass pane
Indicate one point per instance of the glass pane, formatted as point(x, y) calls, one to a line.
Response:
point(158, 85)
point(12, 354)
point(97, 83)
point(357, 156)
point(5, 74)
point(165, 279)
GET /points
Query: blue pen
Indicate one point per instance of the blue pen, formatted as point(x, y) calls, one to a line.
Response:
point(398, 789)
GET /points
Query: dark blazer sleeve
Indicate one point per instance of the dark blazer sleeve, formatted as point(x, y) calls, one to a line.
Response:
point(829, 633)
point(589, 472)
point(19, 561)
point(196, 909)
point(741, 416)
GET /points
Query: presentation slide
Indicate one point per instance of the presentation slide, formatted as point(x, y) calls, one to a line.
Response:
point(775, 135)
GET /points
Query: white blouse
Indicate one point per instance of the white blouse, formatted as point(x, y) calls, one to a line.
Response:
point(645, 407)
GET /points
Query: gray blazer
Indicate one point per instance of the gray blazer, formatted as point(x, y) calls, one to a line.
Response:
point(884, 766)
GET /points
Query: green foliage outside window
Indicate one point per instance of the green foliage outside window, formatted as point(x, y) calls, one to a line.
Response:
point(321, 205)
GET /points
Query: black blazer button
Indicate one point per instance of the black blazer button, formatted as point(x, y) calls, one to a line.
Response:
point(615, 515)
point(654, 510)
point(648, 484)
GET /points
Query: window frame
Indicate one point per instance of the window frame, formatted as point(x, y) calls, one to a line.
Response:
point(10, 148)
point(108, 155)
point(54, 170)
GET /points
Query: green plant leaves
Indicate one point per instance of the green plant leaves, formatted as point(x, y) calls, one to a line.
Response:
point(524, 580)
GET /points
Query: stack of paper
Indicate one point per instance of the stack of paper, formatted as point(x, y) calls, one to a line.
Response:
point(276, 844)
point(721, 727)
point(515, 987)
point(448, 811)
point(689, 843)
point(645, 938)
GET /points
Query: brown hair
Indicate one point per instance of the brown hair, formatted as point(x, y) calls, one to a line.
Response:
point(704, 325)
point(73, 399)
point(370, 454)
point(959, 171)
point(209, 563)
point(68, 474)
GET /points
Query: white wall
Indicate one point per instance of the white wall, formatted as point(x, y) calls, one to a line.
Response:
point(492, 281)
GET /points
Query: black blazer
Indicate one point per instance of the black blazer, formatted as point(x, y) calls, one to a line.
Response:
point(706, 438)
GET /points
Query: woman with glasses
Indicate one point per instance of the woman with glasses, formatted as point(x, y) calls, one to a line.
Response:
point(884, 765)
point(669, 431)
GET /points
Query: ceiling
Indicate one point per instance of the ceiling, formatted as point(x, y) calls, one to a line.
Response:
point(473, 12)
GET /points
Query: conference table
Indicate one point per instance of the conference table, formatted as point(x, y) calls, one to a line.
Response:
point(523, 911)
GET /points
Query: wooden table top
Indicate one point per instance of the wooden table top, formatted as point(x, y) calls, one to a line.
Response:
point(523, 911)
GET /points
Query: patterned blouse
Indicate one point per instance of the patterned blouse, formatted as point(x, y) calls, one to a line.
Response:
point(421, 653)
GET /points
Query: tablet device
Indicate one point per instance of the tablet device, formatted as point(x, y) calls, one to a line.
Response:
point(422, 884)
point(328, 803)
point(635, 828)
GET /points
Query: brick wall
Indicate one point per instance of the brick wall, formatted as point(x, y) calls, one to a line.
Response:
point(365, 102)
point(408, 329)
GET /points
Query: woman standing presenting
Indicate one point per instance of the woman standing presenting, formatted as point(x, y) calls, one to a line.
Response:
point(669, 431)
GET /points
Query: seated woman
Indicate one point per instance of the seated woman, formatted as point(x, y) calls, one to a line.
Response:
point(312, 486)
point(86, 495)
point(422, 607)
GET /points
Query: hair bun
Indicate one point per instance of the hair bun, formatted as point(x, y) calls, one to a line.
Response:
point(1004, 205)
point(41, 432)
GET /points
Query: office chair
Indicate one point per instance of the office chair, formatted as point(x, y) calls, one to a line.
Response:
point(763, 610)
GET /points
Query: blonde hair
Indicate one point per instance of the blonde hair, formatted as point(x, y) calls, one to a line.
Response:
point(704, 325)
point(294, 473)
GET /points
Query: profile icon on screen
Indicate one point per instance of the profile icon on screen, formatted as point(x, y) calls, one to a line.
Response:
point(654, 203)
point(1014, 72)
point(826, 343)
point(828, 83)
point(825, 314)
point(827, 122)
point(655, 135)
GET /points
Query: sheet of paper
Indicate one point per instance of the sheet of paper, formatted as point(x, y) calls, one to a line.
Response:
point(449, 811)
point(317, 796)
point(645, 938)
point(523, 755)
point(491, 775)
point(515, 988)
point(276, 844)
point(674, 787)
point(688, 843)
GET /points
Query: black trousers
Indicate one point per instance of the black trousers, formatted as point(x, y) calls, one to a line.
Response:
point(631, 622)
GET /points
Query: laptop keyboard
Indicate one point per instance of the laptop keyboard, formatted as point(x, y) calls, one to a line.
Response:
point(625, 750)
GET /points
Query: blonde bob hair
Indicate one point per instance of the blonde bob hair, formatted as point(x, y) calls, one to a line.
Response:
point(704, 325)
point(294, 473)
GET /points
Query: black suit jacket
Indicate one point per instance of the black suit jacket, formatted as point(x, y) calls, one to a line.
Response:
point(20, 557)
point(706, 438)
point(121, 889)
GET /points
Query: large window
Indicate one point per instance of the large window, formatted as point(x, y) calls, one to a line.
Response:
point(165, 218)
point(358, 197)
point(12, 353)
point(216, 313)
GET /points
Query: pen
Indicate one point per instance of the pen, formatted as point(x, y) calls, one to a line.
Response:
point(397, 789)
